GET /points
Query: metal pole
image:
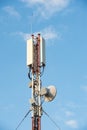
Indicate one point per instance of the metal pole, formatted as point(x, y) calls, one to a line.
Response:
point(36, 86)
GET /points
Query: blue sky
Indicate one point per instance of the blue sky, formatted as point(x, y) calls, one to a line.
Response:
point(63, 24)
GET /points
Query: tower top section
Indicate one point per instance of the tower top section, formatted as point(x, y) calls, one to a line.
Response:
point(36, 53)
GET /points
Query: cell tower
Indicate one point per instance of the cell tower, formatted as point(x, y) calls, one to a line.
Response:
point(36, 63)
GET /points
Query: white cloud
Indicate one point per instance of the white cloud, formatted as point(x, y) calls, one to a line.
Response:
point(72, 105)
point(48, 33)
point(84, 88)
point(47, 8)
point(33, 1)
point(8, 107)
point(72, 123)
point(11, 11)
point(69, 113)
point(25, 36)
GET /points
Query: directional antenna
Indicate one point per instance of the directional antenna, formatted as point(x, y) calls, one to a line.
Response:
point(49, 93)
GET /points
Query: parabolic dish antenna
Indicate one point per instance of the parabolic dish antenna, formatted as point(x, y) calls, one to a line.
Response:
point(51, 93)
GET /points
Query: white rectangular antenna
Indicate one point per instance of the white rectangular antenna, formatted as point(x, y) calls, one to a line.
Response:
point(30, 52)
point(42, 51)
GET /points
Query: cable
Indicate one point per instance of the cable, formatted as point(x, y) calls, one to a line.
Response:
point(52, 120)
point(42, 72)
point(29, 74)
point(23, 119)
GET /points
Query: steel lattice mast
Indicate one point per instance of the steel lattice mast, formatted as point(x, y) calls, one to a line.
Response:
point(35, 62)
